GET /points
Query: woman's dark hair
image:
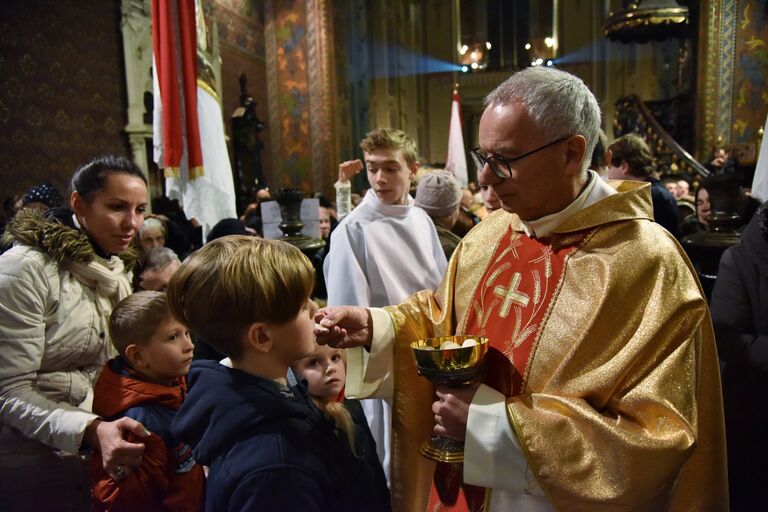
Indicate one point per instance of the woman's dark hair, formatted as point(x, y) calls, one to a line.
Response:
point(91, 177)
point(226, 227)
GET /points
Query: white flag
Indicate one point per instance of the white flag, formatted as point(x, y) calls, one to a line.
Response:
point(211, 197)
point(456, 162)
point(760, 181)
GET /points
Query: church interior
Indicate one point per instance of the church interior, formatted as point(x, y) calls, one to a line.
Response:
point(320, 74)
point(293, 87)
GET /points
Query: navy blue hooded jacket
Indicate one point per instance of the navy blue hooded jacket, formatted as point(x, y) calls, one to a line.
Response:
point(268, 448)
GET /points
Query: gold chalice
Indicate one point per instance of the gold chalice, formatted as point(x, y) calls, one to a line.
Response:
point(460, 365)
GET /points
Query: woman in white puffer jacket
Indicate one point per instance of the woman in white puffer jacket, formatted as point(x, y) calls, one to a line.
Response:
point(58, 285)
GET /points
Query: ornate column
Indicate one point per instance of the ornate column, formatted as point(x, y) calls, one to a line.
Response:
point(716, 57)
point(300, 79)
point(136, 27)
point(325, 151)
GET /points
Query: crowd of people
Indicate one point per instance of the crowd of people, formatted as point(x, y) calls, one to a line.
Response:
point(142, 369)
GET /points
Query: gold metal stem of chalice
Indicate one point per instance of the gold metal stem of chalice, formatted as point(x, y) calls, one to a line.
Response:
point(453, 367)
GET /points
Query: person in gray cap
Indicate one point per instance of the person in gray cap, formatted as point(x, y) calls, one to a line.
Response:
point(439, 195)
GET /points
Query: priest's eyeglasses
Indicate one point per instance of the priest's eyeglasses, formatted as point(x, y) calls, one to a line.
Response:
point(501, 166)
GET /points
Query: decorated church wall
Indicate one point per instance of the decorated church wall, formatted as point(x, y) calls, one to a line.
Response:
point(750, 78)
point(299, 61)
point(240, 25)
point(62, 89)
point(733, 69)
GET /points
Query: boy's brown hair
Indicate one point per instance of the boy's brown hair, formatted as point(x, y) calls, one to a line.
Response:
point(633, 149)
point(388, 138)
point(235, 281)
point(135, 318)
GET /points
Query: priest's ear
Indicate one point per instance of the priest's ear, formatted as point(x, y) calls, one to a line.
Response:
point(575, 147)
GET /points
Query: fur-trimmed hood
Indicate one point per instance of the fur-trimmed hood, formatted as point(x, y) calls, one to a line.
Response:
point(50, 235)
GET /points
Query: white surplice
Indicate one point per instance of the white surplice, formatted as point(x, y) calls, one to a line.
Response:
point(381, 254)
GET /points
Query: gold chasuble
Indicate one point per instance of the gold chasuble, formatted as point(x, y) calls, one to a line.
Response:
point(615, 398)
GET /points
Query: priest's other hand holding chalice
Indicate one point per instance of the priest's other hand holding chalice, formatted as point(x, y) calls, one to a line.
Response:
point(455, 365)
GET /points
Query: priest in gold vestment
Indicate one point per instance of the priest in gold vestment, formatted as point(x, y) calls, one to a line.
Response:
point(604, 390)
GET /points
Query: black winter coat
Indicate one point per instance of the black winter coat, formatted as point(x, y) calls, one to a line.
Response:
point(665, 210)
point(740, 317)
point(268, 449)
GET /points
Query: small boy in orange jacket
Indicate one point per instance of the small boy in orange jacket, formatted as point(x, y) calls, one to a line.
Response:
point(146, 382)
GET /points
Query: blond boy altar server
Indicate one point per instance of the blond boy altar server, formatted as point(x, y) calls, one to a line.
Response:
point(384, 250)
point(608, 397)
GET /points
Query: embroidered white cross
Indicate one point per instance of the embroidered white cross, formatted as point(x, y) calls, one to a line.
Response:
point(511, 295)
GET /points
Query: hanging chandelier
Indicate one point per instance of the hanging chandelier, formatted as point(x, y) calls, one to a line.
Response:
point(647, 20)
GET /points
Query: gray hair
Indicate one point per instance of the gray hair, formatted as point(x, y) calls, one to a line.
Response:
point(559, 103)
point(160, 257)
point(152, 223)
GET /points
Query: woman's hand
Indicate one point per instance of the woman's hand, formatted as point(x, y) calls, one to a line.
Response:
point(118, 455)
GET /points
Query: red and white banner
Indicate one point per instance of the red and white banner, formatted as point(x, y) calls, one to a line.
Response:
point(456, 162)
point(188, 129)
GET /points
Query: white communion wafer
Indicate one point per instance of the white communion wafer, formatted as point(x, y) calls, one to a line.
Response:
point(319, 328)
point(471, 342)
point(448, 345)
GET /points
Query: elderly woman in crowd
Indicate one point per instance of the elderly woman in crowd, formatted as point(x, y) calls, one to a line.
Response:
point(58, 285)
point(151, 234)
point(161, 264)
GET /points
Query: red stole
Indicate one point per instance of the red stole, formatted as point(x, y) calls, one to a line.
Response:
point(509, 307)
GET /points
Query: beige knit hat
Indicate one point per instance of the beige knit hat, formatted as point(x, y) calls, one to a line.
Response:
point(438, 193)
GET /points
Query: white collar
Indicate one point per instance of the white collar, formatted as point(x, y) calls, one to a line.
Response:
point(388, 210)
point(595, 190)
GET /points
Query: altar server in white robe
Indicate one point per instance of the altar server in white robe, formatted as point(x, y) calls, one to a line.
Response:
point(384, 250)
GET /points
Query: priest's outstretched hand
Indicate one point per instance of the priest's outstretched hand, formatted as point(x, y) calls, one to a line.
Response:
point(343, 326)
point(452, 410)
